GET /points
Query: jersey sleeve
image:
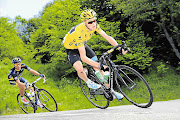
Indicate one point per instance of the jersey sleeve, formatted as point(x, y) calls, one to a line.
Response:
point(25, 66)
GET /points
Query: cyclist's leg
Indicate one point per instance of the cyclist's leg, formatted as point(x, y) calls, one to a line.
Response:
point(79, 68)
point(29, 88)
point(17, 83)
point(22, 90)
point(74, 58)
point(22, 87)
point(91, 54)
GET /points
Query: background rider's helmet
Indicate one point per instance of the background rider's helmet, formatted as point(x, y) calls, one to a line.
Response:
point(88, 14)
point(16, 60)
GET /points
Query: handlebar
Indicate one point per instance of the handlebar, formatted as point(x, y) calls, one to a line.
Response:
point(122, 46)
point(38, 80)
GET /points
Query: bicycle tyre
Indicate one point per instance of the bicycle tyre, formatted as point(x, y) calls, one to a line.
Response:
point(27, 108)
point(141, 94)
point(96, 97)
point(47, 100)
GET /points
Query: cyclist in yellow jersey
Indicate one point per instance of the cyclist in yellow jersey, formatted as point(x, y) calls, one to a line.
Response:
point(78, 50)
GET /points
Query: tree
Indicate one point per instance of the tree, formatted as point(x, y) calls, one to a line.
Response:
point(163, 13)
point(11, 44)
point(103, 8)
point(26, 27)
point(54, 24)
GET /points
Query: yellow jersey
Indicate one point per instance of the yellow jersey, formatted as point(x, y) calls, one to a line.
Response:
point(78, 35)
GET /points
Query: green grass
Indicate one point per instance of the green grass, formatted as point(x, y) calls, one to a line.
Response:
point(69, 95)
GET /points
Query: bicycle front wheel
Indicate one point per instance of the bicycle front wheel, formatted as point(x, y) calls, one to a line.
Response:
point(96, 97)
point(27, 108)
point(133, 86)
point(47, 100)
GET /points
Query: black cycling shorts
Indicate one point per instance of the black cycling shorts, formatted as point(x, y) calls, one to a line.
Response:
point(73, 54)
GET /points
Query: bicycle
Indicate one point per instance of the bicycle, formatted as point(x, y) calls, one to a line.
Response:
point(46, 99)
point(123, 79)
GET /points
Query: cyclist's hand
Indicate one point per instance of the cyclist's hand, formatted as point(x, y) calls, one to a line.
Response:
point(27, 85)
point(43, 76)
point(101, 67)
point(124, 51)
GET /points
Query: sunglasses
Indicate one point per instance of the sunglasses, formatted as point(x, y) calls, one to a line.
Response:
point(91, 22)
point(17, 64)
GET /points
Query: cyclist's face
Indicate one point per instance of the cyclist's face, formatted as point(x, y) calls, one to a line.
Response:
point(91, 23)
point(17, 66)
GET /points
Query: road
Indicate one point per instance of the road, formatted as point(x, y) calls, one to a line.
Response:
point(164, 110)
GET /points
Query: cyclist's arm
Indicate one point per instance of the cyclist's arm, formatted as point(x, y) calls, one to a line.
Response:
point(111, 40)
point(34, 72)
point(85, 59)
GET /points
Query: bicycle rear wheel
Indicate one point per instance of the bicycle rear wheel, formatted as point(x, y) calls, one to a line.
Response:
point(47, 100)
point(27, 108)
point(137, 90)
point(96, 97)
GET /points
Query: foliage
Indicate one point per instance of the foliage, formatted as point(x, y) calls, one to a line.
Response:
point(55, 22)
point(163, 16)
point(11, 45)
point(98, 43)
point(103, 8)
point(162, 69)
point(42, 36)
point(140, 56)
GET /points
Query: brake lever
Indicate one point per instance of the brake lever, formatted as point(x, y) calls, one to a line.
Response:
point(44, 80)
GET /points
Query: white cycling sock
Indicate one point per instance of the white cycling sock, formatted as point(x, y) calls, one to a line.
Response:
point(22, 97)
point(88, 81)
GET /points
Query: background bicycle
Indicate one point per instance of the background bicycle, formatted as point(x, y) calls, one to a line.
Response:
point(47, 100)
point(123, 79)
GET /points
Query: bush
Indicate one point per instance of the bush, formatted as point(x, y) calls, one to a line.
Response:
point(162, 69)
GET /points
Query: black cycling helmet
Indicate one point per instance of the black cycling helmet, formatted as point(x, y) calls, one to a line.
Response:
point(16, 60)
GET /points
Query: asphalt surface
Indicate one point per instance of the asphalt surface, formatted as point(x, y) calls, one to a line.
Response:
point(164, 110)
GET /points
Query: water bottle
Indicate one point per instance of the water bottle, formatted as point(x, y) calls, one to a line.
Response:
point(30, 96)
point(99, 75)
point(106, 75)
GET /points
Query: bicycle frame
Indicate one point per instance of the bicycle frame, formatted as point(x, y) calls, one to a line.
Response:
point(34, 86)
point(113, 68)
point(35, 90)
point(114, 74)
point(104, 88)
